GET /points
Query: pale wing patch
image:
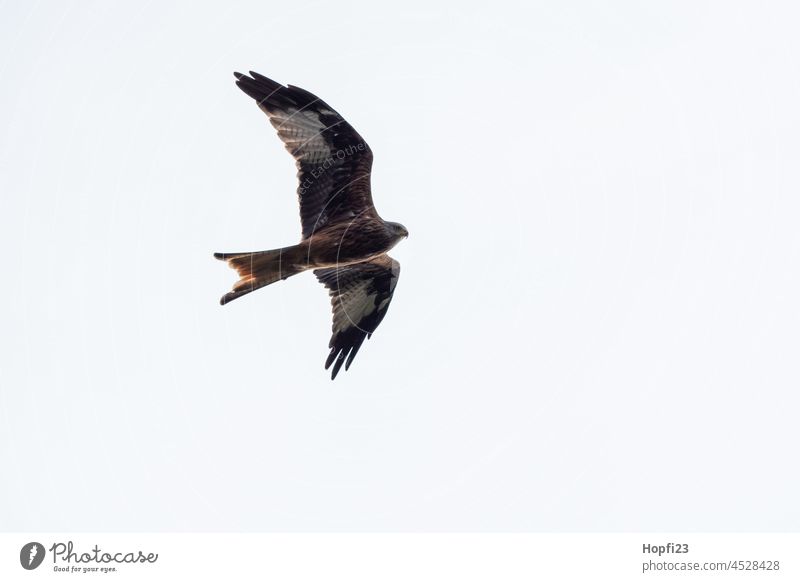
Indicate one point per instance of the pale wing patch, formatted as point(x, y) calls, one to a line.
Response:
point(301, 131)
point(356, 304)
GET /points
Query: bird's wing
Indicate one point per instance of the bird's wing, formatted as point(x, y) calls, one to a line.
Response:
point(360, 295)
point(333, 161)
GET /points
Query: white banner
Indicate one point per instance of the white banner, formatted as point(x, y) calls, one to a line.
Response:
point(399, 557)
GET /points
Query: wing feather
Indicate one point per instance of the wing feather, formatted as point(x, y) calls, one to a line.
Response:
point(360, 296)
point(334, 162)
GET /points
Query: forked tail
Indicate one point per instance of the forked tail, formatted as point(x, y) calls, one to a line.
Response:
point(259, 269)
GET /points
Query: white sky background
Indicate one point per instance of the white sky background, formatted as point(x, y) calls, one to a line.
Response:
point(596, 325)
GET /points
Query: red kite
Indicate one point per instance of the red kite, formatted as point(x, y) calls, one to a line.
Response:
point(344, 240)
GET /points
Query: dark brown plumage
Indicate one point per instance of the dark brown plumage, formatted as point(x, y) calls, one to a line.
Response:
point(344, 240)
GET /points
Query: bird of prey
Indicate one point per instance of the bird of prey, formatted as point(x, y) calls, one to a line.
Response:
point(344, 240)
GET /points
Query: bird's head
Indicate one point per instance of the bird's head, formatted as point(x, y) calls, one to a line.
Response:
point(398, 229)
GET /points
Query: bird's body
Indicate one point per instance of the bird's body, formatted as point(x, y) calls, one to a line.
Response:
point(353, 242)
point(344, 240)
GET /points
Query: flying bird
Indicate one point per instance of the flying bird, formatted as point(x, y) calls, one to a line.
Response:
point(344, 240)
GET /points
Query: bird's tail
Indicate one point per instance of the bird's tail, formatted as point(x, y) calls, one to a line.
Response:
point(262, 268)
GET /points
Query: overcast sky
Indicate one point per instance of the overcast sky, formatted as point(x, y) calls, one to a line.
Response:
point(596, 324)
